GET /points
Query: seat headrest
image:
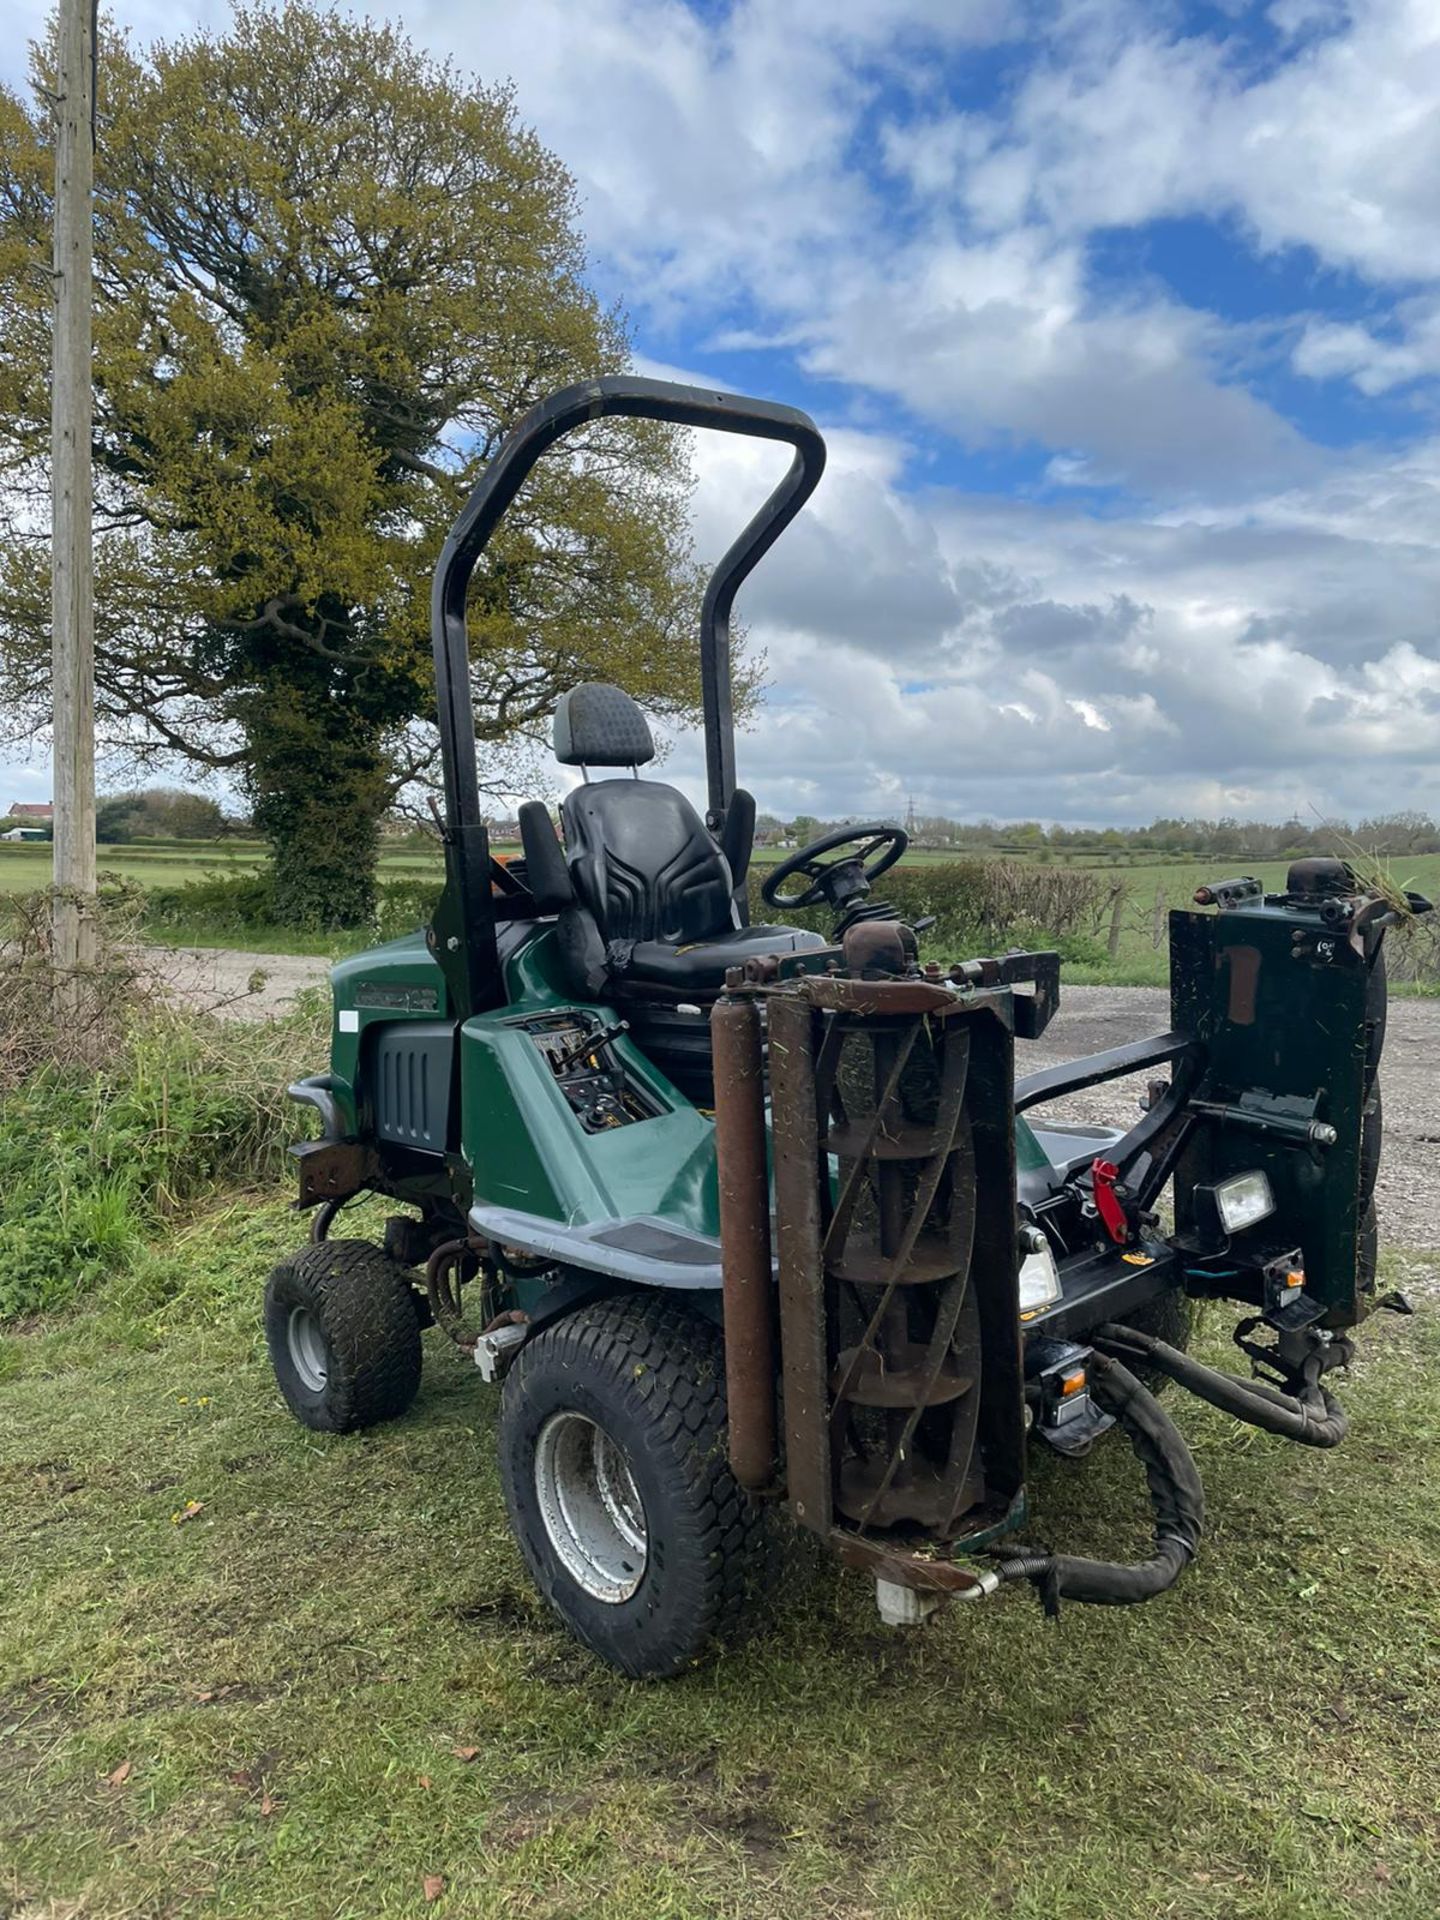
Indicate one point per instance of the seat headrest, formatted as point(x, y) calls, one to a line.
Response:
point(596, 725)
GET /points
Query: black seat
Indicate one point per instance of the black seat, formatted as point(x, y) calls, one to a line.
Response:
point(647, 898)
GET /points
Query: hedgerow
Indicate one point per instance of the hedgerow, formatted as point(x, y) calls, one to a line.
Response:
point(978, 905)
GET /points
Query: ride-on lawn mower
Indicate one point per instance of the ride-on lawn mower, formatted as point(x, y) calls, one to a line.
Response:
point(749, 1216)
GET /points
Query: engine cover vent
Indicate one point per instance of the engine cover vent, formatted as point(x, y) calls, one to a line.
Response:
point(410, 1080)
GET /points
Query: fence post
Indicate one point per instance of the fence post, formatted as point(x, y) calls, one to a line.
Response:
point(1118, 894)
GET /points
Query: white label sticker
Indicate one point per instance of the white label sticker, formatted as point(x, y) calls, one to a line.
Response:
point(349, 1020)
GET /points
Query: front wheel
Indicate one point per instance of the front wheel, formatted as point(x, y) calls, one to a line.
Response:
point(343, 1334)
point(613, 1459)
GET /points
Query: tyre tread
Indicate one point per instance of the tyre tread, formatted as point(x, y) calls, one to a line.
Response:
point(364, 1301)
point(668, 1361)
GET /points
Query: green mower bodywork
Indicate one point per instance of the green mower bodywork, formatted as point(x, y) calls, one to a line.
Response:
point(744, 1217)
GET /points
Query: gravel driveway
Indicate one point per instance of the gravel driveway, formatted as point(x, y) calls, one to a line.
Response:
point(219, 978)
point(1090, 1019)
point(1093, 1018)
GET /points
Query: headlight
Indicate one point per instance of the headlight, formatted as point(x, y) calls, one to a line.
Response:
point(1039, 1282)
point(1243, 1200)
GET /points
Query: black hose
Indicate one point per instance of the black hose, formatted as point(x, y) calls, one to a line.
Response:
point(1312, 1416)
point(323, 1218)
point(1175, 1493)
point(442, 1287)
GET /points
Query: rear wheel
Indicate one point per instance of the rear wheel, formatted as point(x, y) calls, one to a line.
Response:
point(1367, 1252)
point(1170, 1317)
point(343, 1334)
point(613, 1458)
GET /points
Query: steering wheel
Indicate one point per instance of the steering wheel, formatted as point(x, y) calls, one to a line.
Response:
point(874, 849)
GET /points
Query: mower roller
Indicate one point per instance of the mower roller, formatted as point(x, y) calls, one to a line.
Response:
point(745, 1219)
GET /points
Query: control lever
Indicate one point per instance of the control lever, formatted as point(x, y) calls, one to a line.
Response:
point(582, 1050)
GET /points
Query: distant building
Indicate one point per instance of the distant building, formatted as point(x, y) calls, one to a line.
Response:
point(41, 812)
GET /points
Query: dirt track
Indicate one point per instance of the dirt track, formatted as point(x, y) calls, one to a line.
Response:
point(1090, 1019)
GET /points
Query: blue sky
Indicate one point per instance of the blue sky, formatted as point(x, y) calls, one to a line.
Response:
point(1123, 320)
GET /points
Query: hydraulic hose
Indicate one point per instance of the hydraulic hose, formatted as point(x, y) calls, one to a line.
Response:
point(1312, 1416)
point(1175, 1493)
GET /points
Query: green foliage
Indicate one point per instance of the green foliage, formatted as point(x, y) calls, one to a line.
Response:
point(1401, 832)
point(93, 1161)
point(157, 813)
point(405, 905)
point(978, 905)
point(231, 903)
point(114, 819)
point(331, 273)
point(40, 1027)
point(237, 907)
point(115, 1109)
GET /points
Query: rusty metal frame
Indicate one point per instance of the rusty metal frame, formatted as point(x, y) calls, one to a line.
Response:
point(744, 1194)
point(799, 1171)
point(810, 1021)
point(333, 1170)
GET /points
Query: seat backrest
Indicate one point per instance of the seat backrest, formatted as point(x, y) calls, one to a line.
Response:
point(643, 865)
point(641, 861)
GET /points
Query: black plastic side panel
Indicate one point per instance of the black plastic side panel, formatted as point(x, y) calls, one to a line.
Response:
point(409, 1074)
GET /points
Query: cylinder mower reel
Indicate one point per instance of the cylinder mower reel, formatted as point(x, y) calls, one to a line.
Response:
point(751, 1225)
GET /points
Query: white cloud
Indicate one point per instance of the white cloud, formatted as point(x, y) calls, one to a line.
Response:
point(1259, 632)
point(738, 172)
point(1005, 338)
point(738, 177)
point(1335, 149)
point(1276, 658)
point(1375, 362)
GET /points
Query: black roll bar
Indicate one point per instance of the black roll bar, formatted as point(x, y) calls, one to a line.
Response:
point(463, 932)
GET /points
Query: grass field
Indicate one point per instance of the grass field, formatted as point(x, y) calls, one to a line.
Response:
point(1152, 886)
point(171, 863)
point(332, 1682)
point(1152, 889)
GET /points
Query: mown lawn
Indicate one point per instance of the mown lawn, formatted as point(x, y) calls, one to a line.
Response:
point(333, 1681)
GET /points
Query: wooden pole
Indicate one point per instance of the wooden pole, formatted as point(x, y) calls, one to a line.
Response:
point(1119, 893)
point(71, 417)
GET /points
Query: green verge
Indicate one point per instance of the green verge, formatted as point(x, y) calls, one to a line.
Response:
point(333, 1680)
point(94, 1162)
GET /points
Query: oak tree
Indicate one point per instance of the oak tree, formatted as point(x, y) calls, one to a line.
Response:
point(331, 272)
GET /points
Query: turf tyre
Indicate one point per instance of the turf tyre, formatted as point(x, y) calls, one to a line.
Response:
point(1170, 1317)
point(651, 1376)
point(358, 1302)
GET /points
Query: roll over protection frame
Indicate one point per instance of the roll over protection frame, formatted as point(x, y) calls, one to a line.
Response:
point(463, 931)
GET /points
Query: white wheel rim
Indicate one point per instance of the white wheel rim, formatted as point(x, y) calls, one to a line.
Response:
point(591, 1508)
point(309, 1354)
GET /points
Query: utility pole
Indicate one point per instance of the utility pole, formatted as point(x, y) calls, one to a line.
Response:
point(72, 406)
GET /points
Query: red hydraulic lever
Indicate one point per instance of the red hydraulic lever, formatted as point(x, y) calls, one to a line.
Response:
point(1103, 1176)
